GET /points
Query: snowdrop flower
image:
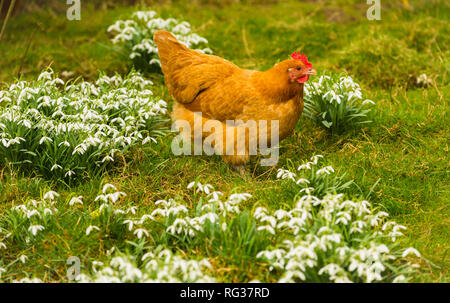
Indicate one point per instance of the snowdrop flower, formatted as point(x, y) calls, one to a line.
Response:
point(23, 258)
point(132, 210)
point(130, 224)
point(45, 139)
point(56, 166)
point(101, 197)
point(325, 170)
point(267, 228)
point(399, 279)
point(190, 185)
point(410, 250)
point(281, 214)
point(107, 187)
point(215, 196)
point(307, 190)
point(48, 211)
point(239, 197)
point(260, 212)
point(367, 101)
point(32, 213)
point(304, 166)
point(35, 228)
point(51, 195)
point(110, 251)
point(145, 218)
point(387, 225)
point(21, 207)
point(69, 173)
point(423, 80)
point(315, 158)
point(343, 217)
point(108, 158)
point(114, 197)
point(2, 245)
point(283, 174)
point(76, 200)
point(140, 232)
point(271, 220)
point(90, 228)
point(148, 255)
point(302, 180)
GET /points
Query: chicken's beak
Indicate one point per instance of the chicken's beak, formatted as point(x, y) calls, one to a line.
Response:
point(311, 71)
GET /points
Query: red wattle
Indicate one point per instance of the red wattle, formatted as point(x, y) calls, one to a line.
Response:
point(303, 79)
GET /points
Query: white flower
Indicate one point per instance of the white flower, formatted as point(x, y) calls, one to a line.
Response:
point(283, 174)
point(90, 228)
point(304, 166)
point(140, 232)
point(130, 223)
point(315, 158)
point(69, 173)
point(239, 197)
point(45, 139)
point(267, 228)
point(51, 195)
point(411, 250)
point(399, 279)
point(23, 258)
point(271, 220)
point(302, 180)
point(110, 251)
point(368, 102)
point(107, 187)
point(108, 158)
point(76, 200)
point(325, 170)
point(132, 210)
point(260, 212)
point(148, 255)
point(35, 228)
point(56, 166)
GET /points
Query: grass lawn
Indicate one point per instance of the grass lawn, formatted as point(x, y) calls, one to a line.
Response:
point(400, 161)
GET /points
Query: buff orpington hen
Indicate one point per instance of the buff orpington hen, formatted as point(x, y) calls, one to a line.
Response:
point(220, 91)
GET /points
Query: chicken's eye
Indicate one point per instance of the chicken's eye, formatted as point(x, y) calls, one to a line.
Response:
point(298, 68)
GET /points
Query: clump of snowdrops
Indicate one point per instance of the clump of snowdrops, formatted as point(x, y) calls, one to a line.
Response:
point(336, 103)
point(62, 130)
point(161, 267)
point(135, 36)
point(310, 239)
point(314, 179)
point(28, 225)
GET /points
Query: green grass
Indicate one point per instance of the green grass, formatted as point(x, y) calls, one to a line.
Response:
point(405, 148)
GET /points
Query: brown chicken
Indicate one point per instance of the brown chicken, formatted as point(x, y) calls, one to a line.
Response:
point(221, 91)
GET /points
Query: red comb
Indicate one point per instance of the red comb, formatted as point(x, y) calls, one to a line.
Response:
point(301, 57)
